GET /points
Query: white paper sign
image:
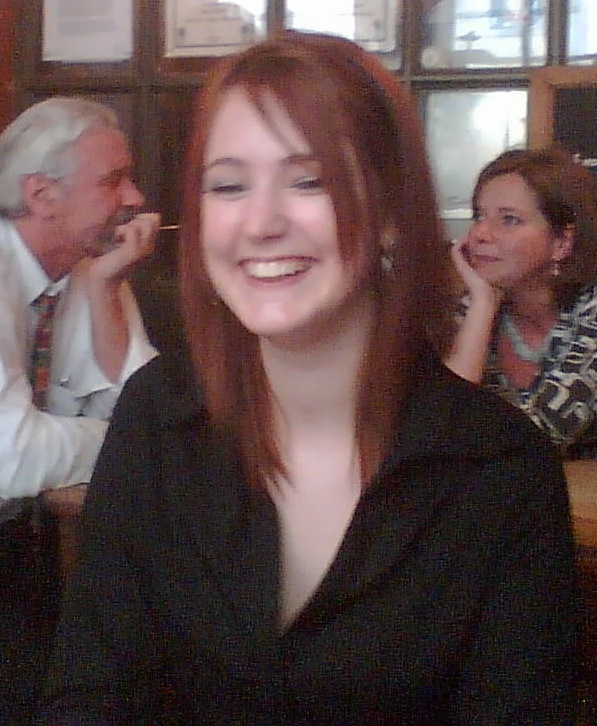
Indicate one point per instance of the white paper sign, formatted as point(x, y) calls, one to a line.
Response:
point(79, 31)
point(211, 28)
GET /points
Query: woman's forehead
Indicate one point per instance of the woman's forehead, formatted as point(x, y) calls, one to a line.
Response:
point(239, 121)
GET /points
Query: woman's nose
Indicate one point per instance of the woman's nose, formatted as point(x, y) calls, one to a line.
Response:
point(481, 229)
point(265, 214)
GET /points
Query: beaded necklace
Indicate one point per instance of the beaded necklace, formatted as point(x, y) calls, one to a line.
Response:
point(522, 350)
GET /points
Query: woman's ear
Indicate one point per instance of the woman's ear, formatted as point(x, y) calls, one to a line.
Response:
point(388, 239)
point(40, 194)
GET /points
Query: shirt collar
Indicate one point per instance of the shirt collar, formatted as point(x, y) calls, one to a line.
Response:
point(35, 279)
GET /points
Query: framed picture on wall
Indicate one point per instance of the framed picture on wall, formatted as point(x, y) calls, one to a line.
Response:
point(205, 28)
point(87, 32)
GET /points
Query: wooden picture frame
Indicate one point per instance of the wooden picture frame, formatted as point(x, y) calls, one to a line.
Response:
point(563, 108)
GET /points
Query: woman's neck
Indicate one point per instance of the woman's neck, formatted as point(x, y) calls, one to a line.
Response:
point(315, 385)
point(535, 308)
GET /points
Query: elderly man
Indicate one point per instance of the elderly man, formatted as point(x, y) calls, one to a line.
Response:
point(70, 335)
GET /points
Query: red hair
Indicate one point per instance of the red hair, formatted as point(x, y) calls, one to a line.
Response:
point(361, 125)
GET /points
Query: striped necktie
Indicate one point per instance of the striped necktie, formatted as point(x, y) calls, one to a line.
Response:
point(41, 353)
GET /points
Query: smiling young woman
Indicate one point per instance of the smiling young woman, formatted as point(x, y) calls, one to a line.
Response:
point(317, 522)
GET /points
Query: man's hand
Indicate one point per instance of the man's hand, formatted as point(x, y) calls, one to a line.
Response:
point(109, 327)
point(134, 241)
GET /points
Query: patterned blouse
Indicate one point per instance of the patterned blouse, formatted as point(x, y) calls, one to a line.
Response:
point(563, 397)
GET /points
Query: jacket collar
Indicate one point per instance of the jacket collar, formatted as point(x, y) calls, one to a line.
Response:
point(445, 416)
point(445, 422)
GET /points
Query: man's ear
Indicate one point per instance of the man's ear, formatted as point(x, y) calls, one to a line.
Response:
point(40, 194)
point(564, 244)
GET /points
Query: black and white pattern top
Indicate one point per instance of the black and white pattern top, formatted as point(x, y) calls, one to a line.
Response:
point(563, 397)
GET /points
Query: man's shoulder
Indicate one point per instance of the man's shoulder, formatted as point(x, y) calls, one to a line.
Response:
point(12, 262)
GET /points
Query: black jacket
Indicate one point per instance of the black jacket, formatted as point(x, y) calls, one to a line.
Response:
point(450, 601)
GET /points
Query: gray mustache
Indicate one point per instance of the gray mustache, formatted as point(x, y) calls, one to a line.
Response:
point(107, 237)
point(123, 216)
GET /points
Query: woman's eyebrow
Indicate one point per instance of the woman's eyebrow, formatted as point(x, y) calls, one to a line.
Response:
point(295, 158)
point(223, 161)
point(301, 158)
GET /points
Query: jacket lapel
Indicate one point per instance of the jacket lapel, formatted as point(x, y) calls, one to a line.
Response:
point(413, 483)
point(235, 530)
point(230, 530)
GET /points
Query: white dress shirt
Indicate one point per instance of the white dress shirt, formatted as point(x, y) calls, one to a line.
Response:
point(45, 450)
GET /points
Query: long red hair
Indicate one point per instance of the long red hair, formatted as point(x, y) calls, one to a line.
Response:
point(362, 127)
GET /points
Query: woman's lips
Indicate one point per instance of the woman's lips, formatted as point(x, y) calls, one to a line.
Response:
point(483, 259)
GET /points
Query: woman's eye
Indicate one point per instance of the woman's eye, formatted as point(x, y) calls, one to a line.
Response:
point(308, 183)
point(511, 220)
point(224, 188)
point(477, 216)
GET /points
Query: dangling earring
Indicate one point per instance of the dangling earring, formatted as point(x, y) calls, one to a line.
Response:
point(555, 268)
point(386, 261)
point(387, 244)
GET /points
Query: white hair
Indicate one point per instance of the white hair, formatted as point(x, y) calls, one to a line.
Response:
point(39, 141)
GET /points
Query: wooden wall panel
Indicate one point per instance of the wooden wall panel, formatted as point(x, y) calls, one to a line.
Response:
point(8, 19)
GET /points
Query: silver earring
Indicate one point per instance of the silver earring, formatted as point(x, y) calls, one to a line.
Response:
point(387, 262)
point(555, 268)
point(388, 245)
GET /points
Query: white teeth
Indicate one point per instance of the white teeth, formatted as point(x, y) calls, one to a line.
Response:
point(266, 269)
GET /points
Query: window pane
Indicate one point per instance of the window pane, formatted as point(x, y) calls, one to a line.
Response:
point(374, 24)
point(582, 31)
point(465, 130)
point(484, 33)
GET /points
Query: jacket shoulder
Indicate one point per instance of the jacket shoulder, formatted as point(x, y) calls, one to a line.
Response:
point(165, 384)
point(465, 418)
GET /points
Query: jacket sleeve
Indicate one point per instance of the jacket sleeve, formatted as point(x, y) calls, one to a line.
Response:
point(520, 664)
point(102, 670)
